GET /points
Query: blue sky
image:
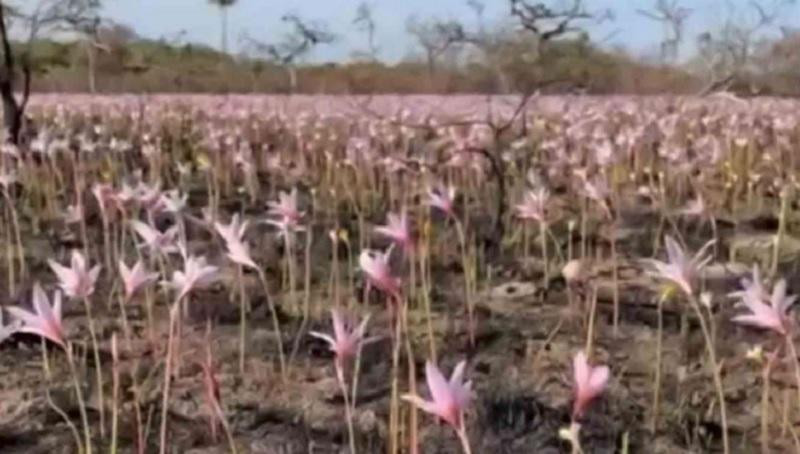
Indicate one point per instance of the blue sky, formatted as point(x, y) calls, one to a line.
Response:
point(199, 21)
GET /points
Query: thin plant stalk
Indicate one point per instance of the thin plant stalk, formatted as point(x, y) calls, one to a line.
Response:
point(174, 313)
point(306, 309)
point(592, 316)
point(114, 395)
point(463, 438)
point(543, 232)
point(781, 230)
point(615, 279)
point(290, 266)
point(412, 381)
point(9, 254)
point(98, 366)
point(795, 361)
point(348, 411)
point(584, 220)
point(394, 407)
point(765, 390)
point(242, 318)
point(17, 234)
point(659, 355)
point(712, 357)
point(465, 264)
point(87, 434)
point(47, 375)
point(275, 323)
point(426, 300)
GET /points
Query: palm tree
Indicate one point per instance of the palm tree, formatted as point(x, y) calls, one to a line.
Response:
point(223, 12)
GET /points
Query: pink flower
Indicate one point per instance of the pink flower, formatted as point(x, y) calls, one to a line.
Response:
point(596, 189)
point(680, 269)
point(695, 207)
point(396, 229)
point(442, 198)
point(449, 399)
point(171, 202)
point(772, 316)
point(286, 209)
point(589, 383)
point(233, 234)
point(77, 281)
point(46, 321)
point(534, 206)
point(347, 337)
point(375, 265)
point(104, 194)
point(196, 274)
point(135, 278)
point(158, 242)
point(73, 214)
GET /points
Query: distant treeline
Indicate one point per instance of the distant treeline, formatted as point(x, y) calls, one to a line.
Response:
point(127, 63)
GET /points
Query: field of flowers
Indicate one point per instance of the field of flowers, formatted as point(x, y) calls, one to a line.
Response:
point(199, 274)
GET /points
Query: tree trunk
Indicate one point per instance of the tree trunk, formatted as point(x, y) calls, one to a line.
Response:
point(223, 11)
point(90, 66)
point(431, 69)
point(292, 78)
point(12, 115)
point(12, 109)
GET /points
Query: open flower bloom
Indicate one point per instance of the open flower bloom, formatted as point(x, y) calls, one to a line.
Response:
point(396, 229)
point(767, 311)
point(173, 202)
point(595, 189)
point(695, 207)
point(104, 195)
point(752, 288)
point(680, 269)
point(347, 338)
point(135, 278)
point(534, 206)
point(442, 197)
point(233, 234)
point(449, 399)
point(286, 209)
point(77, 281)
point(45, 321)
point(158, 242)
point(375, 265)
point(73, 214)
point(590, 382)
point(196, 274)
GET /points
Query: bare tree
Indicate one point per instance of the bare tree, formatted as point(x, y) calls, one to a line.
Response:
point(303, 37)
point(47, 16)
point(548, 22)
point(435, 37)
point(88, 29)
point(365, 22)
point(223, 14)
point(727, 53)
point(673, 17)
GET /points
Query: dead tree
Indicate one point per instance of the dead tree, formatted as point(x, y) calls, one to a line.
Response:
point(727, 53)
point(548, 22)
point(673, 17)
point(304, 37)
point(365, 22)
point(46, 16)
point(223, 6)
point(435, 37)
